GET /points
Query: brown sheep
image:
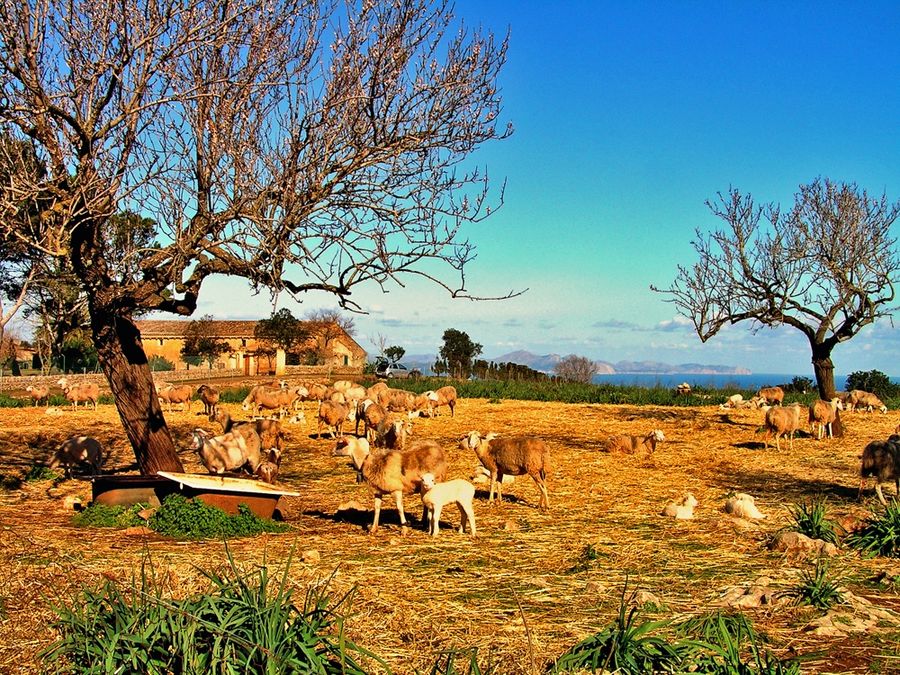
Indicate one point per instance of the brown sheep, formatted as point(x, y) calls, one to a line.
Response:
point(78, 450)
point(38, 393)
point(172, 394)
point(392, 434)
point(881, 459)
point(632, 444)
point(781, 421)
point(864, 399)
point(445, 396)
point(81, 392)
point(271, 435)
point(372, 415)
point(772, 395)
point(262, 398)
point(394, 473)
point(333, 415)
point(511, 456)
point(822, 415)
point(210, 398)
point(396, 400)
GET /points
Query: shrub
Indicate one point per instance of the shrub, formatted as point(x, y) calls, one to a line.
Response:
point(809, 519)
point(103, 515)
point(183, 518)
point(880, 535)
point(41, 472)
point(159, 363)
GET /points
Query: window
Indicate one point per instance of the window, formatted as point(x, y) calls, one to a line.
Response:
point(346, 360)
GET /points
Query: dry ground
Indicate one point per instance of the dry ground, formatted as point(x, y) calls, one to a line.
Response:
point(511, 591)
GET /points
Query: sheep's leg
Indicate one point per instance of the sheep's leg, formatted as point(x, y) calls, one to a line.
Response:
point(377, 514)
point(544, 502)
point(398, 498)
point(493, 484)
point(862, 485)
point(467, 516)
point(880, 493)
point(436, 520)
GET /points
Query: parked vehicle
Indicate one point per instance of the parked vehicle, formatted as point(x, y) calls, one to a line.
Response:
point(389, 370)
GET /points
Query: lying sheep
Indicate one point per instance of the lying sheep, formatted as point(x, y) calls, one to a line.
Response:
point(78, 451)
point(859, 399)
point(881, 459)
point(172, 395)
point(82, 392)
point(734, 401)
point(632, 444)
point(227, 452)
point(781, 421)
point(822, 415)
point(333, 415)
point(437, 495)
point(210, 398)
point(743, 505)
point(683, 509)
point(513, 455)
point(771, 395)
point(38, 393)
point(393, 473)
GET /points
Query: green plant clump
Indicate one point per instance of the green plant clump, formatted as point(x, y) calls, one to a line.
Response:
point(461, 662)
point(809, 519)
point(41, 472)
point(183, 518)
point(244, 624)
point(103, 515)
point(816, 588)
point(880, 535)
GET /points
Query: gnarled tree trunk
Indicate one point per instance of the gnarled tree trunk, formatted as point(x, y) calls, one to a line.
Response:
point(824, 372)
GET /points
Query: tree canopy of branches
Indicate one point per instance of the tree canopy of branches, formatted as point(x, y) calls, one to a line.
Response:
point(457, 353)
point(300, 144)
point(394, 353)
point(576, 368)
point(827, 267)
point(324, 326)
point(505, 370)
point(201, 343)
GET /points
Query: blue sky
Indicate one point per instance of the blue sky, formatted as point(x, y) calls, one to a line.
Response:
point(628, 116)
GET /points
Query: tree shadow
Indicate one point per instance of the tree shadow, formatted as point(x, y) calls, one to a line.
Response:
point(793, 488)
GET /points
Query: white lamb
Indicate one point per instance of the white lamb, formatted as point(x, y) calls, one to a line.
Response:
point(438, 495)
point(683, 509)
point(743, 506)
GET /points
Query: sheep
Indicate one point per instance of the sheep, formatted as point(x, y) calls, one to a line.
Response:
point(372, 392)
point(355, 393)
point(445, 396)
point(396, 400)
point(772, 395)
point(393, 473)
point(76, 393)
point(267, 472)
point(270, 433)
point(317, 391)
point(38, 393)
point(780, 421)
point(822, 415)
point(227, 452)
point(371, 415)
point(423, 404)
point(881, 459)
point(864, 399)
point(78, 450)
point(743, 505)
point(683, 509)
point(342, 385)
point(333, 415)
point(210, 398)
point(513, 455)
point(277, 400)
point(734, 401)
point(437, 495)
point(171, 395)
point(632, 444)
point(392, 434)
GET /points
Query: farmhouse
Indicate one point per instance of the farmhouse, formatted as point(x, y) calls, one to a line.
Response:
point(328, 345)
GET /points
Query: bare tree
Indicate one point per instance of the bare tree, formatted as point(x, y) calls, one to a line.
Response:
point(827, 268)
point(300, 144)
point(576, 368)
point(325, 325)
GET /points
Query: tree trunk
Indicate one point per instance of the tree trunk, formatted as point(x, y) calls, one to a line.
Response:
point(124, 363)
point(824, 371)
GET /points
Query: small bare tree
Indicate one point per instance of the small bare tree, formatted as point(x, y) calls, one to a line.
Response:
point(827, 267)
point(300, 144)
point(576, 368)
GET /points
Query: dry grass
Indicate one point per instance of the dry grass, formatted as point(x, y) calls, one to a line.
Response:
point(416, 596)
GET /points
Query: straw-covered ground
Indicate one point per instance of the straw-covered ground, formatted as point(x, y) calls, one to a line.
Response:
point(517, 592)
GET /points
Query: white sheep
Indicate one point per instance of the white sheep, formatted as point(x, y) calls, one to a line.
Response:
point(734, 401)
point(228, 452)
point(437, 495)
point(743, 505)
point(78, 450)
point(683, 509)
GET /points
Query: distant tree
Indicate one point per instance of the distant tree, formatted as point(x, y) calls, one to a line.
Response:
point(280, 331)
point(801, 385)
point(873, 381)
point(77, 353)
point(394, 353)
point(201, 343)
point(576, 368)
point(827, 268)
point(458, 352)
point(380, 341)
point(326, 325)
point(160, 363)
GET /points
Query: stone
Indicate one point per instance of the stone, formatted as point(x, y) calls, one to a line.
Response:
point(798, 544)
point(310, 556)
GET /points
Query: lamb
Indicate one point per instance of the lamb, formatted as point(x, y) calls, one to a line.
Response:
point(881, 459)
point(864, 399)
point(210, 398)
point(822, 415)
point(38, 393)
point(513, 455)
point(171, 395)
point(227, 452)
point(78, 450)
point(683, 509)
point(780, 421)
point(438, 495)
point(270, 433)
point(743, 505)
point(393, 473)
point(632, 444)
point(333, 415)
point(76, 393)
point(772, 395)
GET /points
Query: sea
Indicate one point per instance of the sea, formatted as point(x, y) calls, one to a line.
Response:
point(709, 381)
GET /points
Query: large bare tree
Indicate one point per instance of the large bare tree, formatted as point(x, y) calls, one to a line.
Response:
point(300, 144)
point(826, 267)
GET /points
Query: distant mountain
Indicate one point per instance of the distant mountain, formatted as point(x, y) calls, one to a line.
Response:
point(546, 363)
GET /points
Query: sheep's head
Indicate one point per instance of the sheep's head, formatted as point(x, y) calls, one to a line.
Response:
point(341, 448)
point(689, 500)
point(470, 441)
point(428, 481)
point(657, 436)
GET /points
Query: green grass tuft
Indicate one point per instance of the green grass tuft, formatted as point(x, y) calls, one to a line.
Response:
point(103, 515)
point(816, 588)
point(809, 519)
point(183, 518)
point(880, 535)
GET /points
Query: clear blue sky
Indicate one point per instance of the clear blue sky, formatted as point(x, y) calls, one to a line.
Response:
point(628, 116)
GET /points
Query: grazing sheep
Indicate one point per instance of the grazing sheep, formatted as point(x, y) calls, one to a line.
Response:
point(397, 400)
point(781, 421)
point(437, 495)
point(445, 396)
point(172, 395)
point(423, 404)
point(392, 434)
point(393, 473)
point(317, 391)
point(632, 444)
point(881, 459)
point(78, 451)
point(269, 432)
point(683, 509)
point(513, 455)
point(342, 385)
point(372, 415)
point(771, 395)
point(228, 452)
point(38, 393)
point(372, 392)
point(355, 393)
point(743, 506)
point(267, 472)
point(81, 392)
point(210, 398)
point(333, 415)
point(261, 398)
point(864, 399)
point(822, 415)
